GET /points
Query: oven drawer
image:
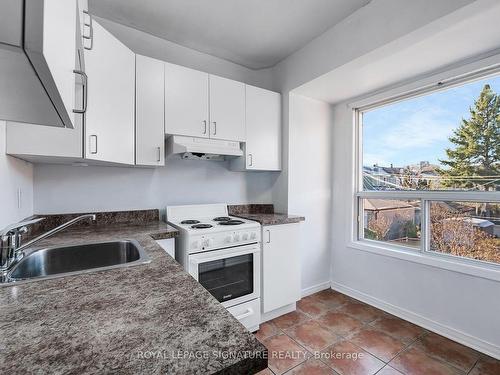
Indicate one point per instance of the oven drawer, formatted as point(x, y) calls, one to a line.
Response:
point(248, 313)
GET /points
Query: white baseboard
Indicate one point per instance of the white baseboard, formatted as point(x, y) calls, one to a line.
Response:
point(278, 312)
point(431, 325)
point(316, 288)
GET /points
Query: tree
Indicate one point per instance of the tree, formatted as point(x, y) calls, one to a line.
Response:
point(476, 149)
point(379, 225)
point(453, 232)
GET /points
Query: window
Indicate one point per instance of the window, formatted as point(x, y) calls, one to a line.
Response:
point(429, 171)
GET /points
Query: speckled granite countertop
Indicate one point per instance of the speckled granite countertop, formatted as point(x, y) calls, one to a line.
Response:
point(263, 213)
point(147, 319)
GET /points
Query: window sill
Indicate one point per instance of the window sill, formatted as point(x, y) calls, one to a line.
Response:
point(485, 271)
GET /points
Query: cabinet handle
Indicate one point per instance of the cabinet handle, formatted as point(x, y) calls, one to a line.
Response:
point(250, 160)
point(204, 126)
point(85, 83)
point(268, 236)
point(158, 150)
point(93, 150)
point(246, 314)
point(91, 31)
point(215, 127)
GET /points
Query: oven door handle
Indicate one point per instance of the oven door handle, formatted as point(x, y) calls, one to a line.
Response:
point(246, 314)
point(203, 259)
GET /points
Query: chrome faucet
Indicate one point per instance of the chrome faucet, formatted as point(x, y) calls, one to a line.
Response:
point(11, 249)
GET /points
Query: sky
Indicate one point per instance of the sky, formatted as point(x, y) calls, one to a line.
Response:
point(418, 129)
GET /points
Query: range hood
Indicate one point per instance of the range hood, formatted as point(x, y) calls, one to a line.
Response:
point(202, 148)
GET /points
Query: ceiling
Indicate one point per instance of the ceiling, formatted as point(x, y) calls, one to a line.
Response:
point(253, 33)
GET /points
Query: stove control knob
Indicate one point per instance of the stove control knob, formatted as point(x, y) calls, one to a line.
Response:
point(236, 237)
point(244, 236)
point(228, 239)
point(209, 242)
point(253, 236)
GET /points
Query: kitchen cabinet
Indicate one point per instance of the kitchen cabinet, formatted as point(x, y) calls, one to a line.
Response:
point(227, 109)
point(186, 101)
point(199, 104)
point(38, 40)
point(110, 125)
point(262, 150)
point(149, 112)
point(280, 266)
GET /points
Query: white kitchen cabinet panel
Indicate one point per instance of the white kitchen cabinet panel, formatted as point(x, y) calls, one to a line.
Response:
point(38, 41)
point(149, 112)
point(263, 132)
point(186, 101)
point(109, 129)
point(227, 109)
point(280, 266)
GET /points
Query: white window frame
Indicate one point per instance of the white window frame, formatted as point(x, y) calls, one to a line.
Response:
point(453, 77)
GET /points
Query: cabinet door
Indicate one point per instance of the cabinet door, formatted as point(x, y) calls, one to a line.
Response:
point(263, 129)
point(50, 43)
point(186, 101)
point(109, 129)
point(227, 109)
point(149, 111)
point(280, 266)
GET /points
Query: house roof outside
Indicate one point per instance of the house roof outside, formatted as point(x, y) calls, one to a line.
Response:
point(385, 204)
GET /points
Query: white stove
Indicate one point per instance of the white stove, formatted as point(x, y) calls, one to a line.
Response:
point(222, 253)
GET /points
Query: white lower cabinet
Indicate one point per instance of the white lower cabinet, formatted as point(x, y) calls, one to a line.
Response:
point(280, 266)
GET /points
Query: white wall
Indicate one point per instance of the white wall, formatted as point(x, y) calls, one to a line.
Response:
point(310, 186)
point(77, 189)
point(15, 175)
point(460, 306)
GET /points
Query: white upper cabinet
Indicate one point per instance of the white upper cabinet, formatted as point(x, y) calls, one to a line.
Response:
point(110, 125)
point(263, 118)
point(59, 46)
point(263, 131)
point(227, 109)
point(186, 101)
point(149, 112)
point(38, 40)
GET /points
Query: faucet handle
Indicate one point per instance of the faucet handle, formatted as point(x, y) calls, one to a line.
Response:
point(20, 227)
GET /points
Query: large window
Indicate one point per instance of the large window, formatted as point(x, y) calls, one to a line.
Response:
point(429, 171)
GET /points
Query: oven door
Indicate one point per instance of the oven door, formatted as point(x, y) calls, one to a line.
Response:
point(231, 275)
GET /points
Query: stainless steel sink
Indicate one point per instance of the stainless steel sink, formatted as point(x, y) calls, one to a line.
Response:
point(69, 260)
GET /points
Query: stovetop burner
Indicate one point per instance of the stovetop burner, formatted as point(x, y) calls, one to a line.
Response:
point(231, 222)
point(222, 218)
point(190, 222)
point(201, 226)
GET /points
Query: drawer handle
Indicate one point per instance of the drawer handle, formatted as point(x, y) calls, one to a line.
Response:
point(268, 236)
point(246, 314)
point(250, 160)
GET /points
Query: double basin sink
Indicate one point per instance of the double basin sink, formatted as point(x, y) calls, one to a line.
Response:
point(62, 261)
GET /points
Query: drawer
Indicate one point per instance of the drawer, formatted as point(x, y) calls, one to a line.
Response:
point(248, 313)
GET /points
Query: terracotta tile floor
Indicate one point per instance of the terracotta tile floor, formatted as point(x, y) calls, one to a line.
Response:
point(331, 333)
